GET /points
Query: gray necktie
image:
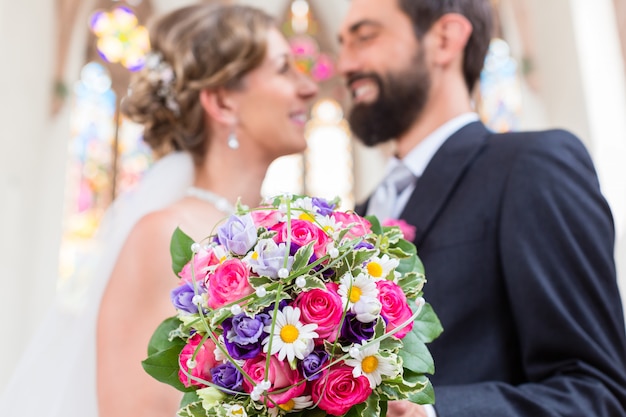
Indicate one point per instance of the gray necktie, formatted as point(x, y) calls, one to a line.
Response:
point(383, 202)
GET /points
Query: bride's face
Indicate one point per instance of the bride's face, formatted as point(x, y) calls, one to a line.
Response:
point(273, 105)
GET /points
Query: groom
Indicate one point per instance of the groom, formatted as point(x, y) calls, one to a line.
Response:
point(515, 236)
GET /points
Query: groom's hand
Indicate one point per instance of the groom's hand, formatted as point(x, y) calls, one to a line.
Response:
point(405, 409)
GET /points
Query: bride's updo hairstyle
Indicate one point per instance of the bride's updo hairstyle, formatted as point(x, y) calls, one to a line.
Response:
point(203, 46)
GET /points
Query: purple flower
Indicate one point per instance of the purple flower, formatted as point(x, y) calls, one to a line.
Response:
point(268, 258)
point(243, 334)
point(323, 206)
point(354, 331)
point(228, 376)
point(363, 245)
point(312, 363)
point(182, 297)
point(238, 234)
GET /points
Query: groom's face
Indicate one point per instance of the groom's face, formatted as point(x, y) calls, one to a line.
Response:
point(385, 70)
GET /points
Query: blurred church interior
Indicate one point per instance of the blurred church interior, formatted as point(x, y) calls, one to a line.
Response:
point(67, 152)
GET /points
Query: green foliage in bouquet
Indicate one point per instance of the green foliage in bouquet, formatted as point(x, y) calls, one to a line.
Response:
point(296, 308)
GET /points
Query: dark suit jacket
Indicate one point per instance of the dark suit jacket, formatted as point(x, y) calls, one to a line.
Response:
point(517, 243)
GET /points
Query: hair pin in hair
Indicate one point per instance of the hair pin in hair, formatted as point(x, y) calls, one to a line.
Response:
point(161, 74)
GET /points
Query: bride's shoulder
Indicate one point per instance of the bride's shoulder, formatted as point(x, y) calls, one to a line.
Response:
point(153, 229)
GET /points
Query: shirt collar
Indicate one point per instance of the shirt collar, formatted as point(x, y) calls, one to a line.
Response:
point(419, 157)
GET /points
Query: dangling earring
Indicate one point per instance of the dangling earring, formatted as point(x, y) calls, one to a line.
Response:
point(233, 142)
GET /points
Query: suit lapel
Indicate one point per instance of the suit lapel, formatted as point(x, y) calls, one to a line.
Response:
point(441, 177)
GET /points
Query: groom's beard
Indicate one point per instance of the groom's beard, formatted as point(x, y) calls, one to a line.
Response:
point(401, 99)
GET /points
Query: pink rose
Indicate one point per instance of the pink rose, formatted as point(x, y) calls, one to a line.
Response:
point(205, 360)
point(395, 308)
point(338, 390)
point(322, 307)
point(360, 225)
point(333, 286)
point(280, 376)
point(408, 230)
point(201, 264)
point(302, 233)
point(228, 283)
point(266, 218)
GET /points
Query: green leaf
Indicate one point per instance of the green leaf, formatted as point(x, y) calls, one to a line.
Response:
point(402, 388)
point(393, 233)
point(379, 328)
point(415, 354)
point(189, 398)
point(362, 255)
point(180, 249)
point(316, 412)
point(372, 406)
point(194, 410)
point(427, 326)
point(160, 338)
point(257, 282)
point(394, 391)
point(424, 396)
point(163, 366)
point(313, 282)
point(216, 317)
point(356, 410)
point(376, 227)
point(259, 303)
point(408, 265)
point(390, 344)
point(302, 257)
point(411, 284)
point(406, 247)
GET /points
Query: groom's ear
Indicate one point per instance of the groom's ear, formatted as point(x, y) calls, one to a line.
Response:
point(450, 34)
point(219, 105)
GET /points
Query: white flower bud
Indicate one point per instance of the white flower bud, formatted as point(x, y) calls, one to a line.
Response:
point(261, 292)
point(283, 273)
point(197, 300)
point(191, 363)
point(236, 309)
point(195, 248)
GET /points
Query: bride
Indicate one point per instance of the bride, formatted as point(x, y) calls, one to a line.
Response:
point(221, 97)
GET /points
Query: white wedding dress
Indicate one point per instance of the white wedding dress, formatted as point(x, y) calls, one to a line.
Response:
point(56, 375)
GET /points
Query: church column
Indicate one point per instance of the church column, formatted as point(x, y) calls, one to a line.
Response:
point(583, 86)
point(604, 86)
point(30, 174)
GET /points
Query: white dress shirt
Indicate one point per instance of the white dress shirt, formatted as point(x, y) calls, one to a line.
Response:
point(419, 157)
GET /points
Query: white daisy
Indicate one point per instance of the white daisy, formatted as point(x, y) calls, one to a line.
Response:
point(235, 410)
point(331, 226)
point(293, 405)
point(303, 204)
point(353, 289)
point(367, 361)
point(381, 267)
point(291, 338)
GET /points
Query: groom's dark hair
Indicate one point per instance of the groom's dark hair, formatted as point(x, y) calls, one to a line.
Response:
point(424, 13)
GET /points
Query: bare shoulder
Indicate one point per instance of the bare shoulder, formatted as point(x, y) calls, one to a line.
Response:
point(145, 258)
point(153, 229)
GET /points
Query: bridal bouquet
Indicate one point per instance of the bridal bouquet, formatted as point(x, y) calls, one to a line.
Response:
point(296, 308)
